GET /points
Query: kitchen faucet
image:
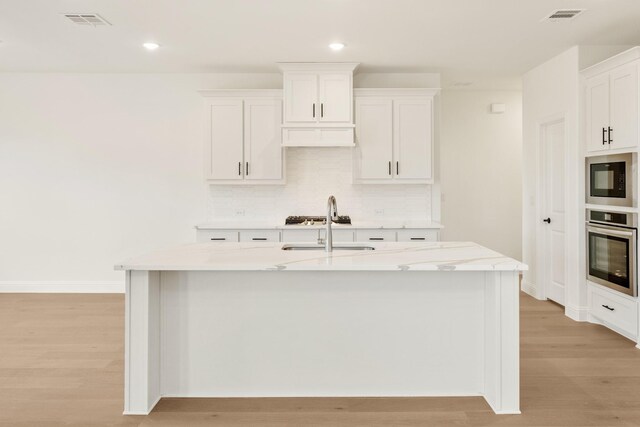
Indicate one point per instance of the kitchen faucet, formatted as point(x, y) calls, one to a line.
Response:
point(332, 212)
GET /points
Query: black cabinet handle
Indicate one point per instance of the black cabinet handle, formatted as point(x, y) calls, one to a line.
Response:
point(247, 170)
point(322, 109)
point(608, 308)
point(548, 220)
point(314, 110)
point(376, 238)
point(239, 168)
point(418, 238)
point(218, 238)
point(259, 238)
point(397, 168)
point(610, 140)
point(389, 168)
point(604, 140)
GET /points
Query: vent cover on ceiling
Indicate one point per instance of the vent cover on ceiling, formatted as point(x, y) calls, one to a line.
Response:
point(86, 19)
point(563, 15)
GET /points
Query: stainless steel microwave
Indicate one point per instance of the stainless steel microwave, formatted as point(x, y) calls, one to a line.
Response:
point(610, 180)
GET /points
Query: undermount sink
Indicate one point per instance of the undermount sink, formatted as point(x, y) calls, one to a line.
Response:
point(321, 248)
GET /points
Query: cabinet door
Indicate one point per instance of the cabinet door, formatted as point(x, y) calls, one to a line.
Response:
point(623, 110)
point(224, 148)
point(597, 114)
point(262, 139)
point(334, 97)
point(413, 139)
point(374, 136)
point(301, 97)
point(375, 235)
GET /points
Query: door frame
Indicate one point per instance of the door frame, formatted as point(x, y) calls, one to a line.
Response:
point(542, 234)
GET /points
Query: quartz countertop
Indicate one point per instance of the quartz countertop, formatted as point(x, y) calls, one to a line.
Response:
point(261, 225)
point(269, 256)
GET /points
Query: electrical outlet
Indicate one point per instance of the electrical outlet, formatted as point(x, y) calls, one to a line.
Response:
point(239, 212)
point(378, 212)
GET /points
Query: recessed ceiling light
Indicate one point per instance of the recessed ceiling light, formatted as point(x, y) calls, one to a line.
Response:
point(151, 45)
point(337, 46)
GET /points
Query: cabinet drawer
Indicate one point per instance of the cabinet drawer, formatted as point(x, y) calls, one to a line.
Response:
point(614, 309)
point(375, 235)
point(417, 235)
point(314, 137)
point(219, 236)
point(260, 236)
point(308, 235)
point(341, 235)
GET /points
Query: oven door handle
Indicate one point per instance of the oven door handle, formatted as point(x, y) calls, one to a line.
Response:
point(610, 231)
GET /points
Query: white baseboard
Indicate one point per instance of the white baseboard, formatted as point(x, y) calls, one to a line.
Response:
point(579, 314)
point(530, 289)
point(63, 287)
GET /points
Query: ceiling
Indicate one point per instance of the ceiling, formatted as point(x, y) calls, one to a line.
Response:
point(486, 42)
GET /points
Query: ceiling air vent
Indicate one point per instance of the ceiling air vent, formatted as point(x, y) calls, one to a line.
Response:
point(563, 15)
point(92, 19)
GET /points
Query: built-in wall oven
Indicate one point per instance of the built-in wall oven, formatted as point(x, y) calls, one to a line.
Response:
point(611, 250)
point(610, 180)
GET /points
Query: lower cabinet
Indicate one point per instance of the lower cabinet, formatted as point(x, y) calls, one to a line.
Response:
point(313, 234)
point(614, 310)
point(260, 236)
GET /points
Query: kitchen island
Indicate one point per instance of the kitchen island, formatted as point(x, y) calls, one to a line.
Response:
point(253, 320)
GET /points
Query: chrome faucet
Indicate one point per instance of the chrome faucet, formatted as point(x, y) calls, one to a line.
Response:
point(332, 212)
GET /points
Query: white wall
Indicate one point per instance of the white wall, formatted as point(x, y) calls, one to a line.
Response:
point(551, 90)
point(481, 159)
point(95, 168)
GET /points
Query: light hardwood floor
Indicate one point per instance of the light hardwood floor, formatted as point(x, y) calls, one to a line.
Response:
point(61, 363)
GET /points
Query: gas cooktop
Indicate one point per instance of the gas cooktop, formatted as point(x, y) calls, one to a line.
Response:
point(315, 220)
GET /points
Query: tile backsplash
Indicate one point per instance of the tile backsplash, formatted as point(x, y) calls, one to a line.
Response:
point(313, 174)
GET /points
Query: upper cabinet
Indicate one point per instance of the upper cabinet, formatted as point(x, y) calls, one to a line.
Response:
point(394, 136)
point(318, 104)
point(243, 137)
point(612, 103)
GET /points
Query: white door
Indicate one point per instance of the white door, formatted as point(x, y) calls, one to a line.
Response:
point(262, 139)
point(301, 97)
point(335, 97)
point(623, 114)
point(412, 139)
point(597, 114)
point(553, 210)
point(374, 134)
point(225, 140)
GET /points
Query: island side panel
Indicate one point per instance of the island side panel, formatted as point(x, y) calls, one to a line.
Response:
point(354, 333)
point(142, 342)
point(502, 342)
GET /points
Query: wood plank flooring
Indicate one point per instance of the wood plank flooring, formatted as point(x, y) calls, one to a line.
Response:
point(61, 363)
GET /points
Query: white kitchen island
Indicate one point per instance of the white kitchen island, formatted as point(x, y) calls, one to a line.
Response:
point(253, 320)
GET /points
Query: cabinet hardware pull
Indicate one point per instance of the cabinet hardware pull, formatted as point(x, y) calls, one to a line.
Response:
point(418, 238)
point(314, 110)
point(259, 238)
point(397, 168)
point(322, 109)
point(389, 168)
point(218, 238)
point(548, 220)
point(604, 141)
point(376, 238)
point(247, 168)
point(608, 308)
point(239, 168)
point(610, 140)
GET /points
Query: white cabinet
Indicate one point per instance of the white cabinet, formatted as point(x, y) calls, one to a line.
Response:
point(312, 235)
point(243, 137)
point(612, 111)
point(418, 235)
point(613, 309)
point(259, 236)
point(318, 104)
point(375, 235)
point(394, 136)
point(217, 236)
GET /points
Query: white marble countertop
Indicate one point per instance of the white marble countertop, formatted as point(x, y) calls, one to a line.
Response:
point(261, 225)
point(269, 256)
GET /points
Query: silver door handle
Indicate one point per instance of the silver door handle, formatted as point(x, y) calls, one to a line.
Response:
point(610, 231)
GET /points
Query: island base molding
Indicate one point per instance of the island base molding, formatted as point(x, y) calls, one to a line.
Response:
point(310, 334)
